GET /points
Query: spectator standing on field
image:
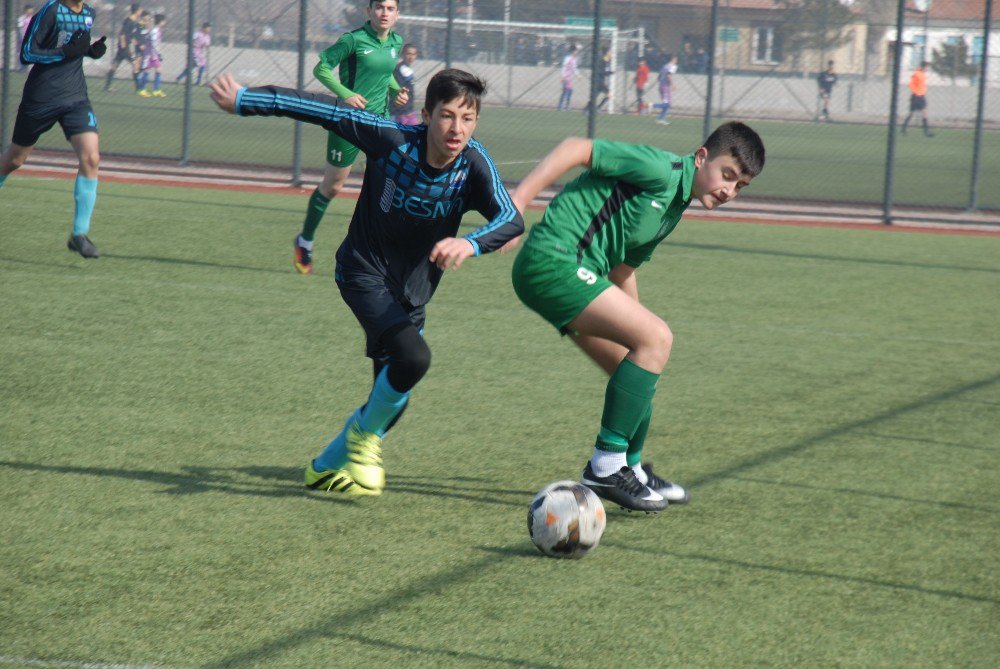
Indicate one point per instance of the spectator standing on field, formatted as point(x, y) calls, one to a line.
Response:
point(666, 77)
point(918, 98)
point(604, 89)
point(641, 77)
point(152, 60)
point(826, 81)
point(406, 78)
point(201, 40)
point(568, 77)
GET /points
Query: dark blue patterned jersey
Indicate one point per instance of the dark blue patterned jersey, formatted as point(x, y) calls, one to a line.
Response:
point(54, 79)
point(406, 206)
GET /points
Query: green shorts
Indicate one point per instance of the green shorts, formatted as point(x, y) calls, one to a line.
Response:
point(340, 152)
point(556, 289)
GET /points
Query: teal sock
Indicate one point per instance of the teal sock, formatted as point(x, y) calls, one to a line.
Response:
point(334, 456)
point(626, 402)
point(3, 177)
point(384, 404)
point(85, 195)
point(314, 214)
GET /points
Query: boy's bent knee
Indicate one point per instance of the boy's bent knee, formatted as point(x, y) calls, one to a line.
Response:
point(654, 350)
point(409, 357)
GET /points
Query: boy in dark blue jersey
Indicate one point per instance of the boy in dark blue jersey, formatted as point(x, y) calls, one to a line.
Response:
point(56, 41)
point(419, 182)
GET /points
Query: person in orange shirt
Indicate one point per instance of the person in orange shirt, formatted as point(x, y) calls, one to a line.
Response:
point(641, 77)
point(918, 98)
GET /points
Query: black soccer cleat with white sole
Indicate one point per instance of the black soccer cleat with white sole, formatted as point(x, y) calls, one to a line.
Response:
point(624, 489)
point(673, 493)
point(81, 244)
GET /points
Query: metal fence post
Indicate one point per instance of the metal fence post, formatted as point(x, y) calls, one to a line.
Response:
point(447, 35)
point(890, 153)
point(300, 83)
point(186, 123)
point(596, 64)
point(977, 143)
point(707, 124)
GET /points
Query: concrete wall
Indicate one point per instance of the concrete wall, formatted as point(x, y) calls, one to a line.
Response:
point(737, 96)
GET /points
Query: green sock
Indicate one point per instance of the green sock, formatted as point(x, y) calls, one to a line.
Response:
point(633, 456)
point(314, 214)
point(626, 403)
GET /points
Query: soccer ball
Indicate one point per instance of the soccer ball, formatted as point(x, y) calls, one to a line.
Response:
point(566, 520)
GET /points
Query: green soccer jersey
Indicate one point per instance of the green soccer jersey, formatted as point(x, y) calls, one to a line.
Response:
point(629, 200)
point(364, 64)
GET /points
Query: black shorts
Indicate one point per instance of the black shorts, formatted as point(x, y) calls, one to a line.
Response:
point(918, 103)
point(75, 118)
point(376, 308)
point(123, 54)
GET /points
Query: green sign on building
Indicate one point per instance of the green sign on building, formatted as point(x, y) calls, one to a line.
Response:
point(729, 34)
point(581, 25)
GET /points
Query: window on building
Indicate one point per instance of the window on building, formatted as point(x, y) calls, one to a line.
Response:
point(766, 45)
point(977, 50)
point(919, 51)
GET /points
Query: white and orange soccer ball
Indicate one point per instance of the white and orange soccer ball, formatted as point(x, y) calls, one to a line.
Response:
point(566, 520)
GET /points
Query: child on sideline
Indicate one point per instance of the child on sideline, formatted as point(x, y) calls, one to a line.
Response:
point(577, 271)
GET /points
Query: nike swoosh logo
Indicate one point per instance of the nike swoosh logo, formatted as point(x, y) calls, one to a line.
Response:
point(365, 53)
point(656, 205)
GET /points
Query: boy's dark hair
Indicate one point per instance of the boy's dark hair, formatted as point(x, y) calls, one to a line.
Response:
point(371, 3)
point(451, 84)
point(159, 17)
point(133, 8)
point(206, 24)
point(739, 141)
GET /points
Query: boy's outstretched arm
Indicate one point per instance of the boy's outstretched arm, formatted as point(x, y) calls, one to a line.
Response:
point(571, 152)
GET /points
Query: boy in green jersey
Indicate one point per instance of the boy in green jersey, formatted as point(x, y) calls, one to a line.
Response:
point(365, 59)
point(577, 271)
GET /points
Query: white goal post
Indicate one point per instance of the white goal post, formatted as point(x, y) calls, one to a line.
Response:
point(556, 34)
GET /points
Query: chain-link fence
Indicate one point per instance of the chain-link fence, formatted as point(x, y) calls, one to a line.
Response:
point(815, 77)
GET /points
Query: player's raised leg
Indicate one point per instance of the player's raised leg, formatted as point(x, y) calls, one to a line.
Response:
point(617, 317)
point(608, 356)
point(334, 178)
point(87, 150)
point(12, 159)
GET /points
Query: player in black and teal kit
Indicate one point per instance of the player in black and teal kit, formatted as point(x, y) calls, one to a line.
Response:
point(577, 271)
point(419, 183)
point(55, 43)
point(364, 60)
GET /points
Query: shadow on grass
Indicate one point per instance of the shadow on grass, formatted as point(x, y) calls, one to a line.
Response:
point(923, 440)
point(192, 480)
point(363, 613)
point(810, 573)
point(778, 454)
point(195, 263)
point(847, 259)
point(47, 264)
point(287, 482)
point(868, 493)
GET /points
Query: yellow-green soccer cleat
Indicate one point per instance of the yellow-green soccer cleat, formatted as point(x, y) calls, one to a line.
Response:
point(335, 480)
point(364, 458)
